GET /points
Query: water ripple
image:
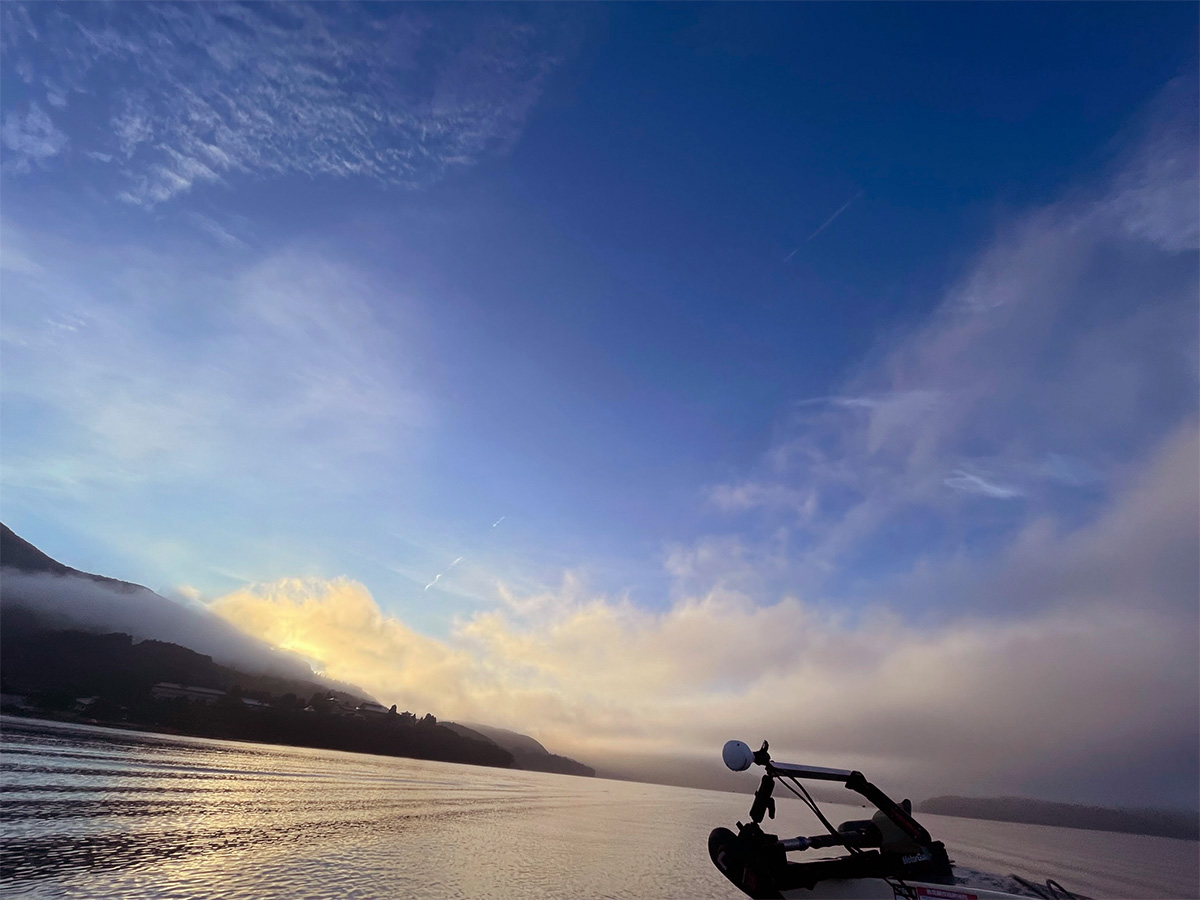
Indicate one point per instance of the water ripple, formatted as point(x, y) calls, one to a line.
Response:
point(100, 813)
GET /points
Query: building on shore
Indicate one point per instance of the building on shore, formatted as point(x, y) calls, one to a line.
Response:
point(166, 690)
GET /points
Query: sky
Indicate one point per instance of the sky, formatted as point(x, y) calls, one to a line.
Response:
point(636, 376)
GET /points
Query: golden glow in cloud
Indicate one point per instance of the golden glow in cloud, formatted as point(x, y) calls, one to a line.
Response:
point(980, 701)
point(601, 678)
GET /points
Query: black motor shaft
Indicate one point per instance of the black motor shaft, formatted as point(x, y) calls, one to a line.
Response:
point(764, 803)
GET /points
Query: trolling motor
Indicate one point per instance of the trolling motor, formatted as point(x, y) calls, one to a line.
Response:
point(738, 757)
point(890, 847)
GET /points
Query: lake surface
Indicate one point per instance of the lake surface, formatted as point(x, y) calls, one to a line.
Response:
point(96, 812)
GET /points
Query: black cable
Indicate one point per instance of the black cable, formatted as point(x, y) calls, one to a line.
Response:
point(812, 804)
point(1057, 891)
point(1060, 891)
point(806, 800)
point(1030, 886)
point(899, 888)
point(895, 882)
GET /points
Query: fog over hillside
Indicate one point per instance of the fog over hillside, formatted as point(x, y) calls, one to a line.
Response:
point(78, 602)
point(30, 580)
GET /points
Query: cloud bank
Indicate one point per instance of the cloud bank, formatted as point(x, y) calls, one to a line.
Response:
point(1099, 681)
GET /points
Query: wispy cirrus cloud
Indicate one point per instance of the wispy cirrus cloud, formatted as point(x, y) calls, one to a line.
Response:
point(282, 369)
point(973, 483)
point(1063, 355)
point(30, 138)
point(758, 494)
point(218, 232)
point(174, 96)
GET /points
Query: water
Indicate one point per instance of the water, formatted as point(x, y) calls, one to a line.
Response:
point(95, 812)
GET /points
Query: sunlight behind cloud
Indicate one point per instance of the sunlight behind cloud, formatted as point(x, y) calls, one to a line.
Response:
point(337, 624)
point(970, 700)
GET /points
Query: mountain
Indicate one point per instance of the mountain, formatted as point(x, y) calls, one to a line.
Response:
point(1163, 823)
point(42, 660)
point(58, 595)
point(111, 679)
point(17, 553)
point(66, 633)
point(49, 607)
point(80, 646)
point(527, 753)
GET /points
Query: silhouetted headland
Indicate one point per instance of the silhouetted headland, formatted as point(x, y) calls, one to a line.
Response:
point(111, 679)
point(1158, 822)
point(58, 661)
point(527, 753)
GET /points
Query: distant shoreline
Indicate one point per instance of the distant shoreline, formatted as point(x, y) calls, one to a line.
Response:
point(1179, 825)
point(167, 732)
point(429, 743)
point(1169, 824)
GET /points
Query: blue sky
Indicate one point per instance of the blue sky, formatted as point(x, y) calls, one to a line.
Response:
point(853, 305)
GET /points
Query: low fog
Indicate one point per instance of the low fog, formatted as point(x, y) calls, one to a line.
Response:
point(77, 601)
